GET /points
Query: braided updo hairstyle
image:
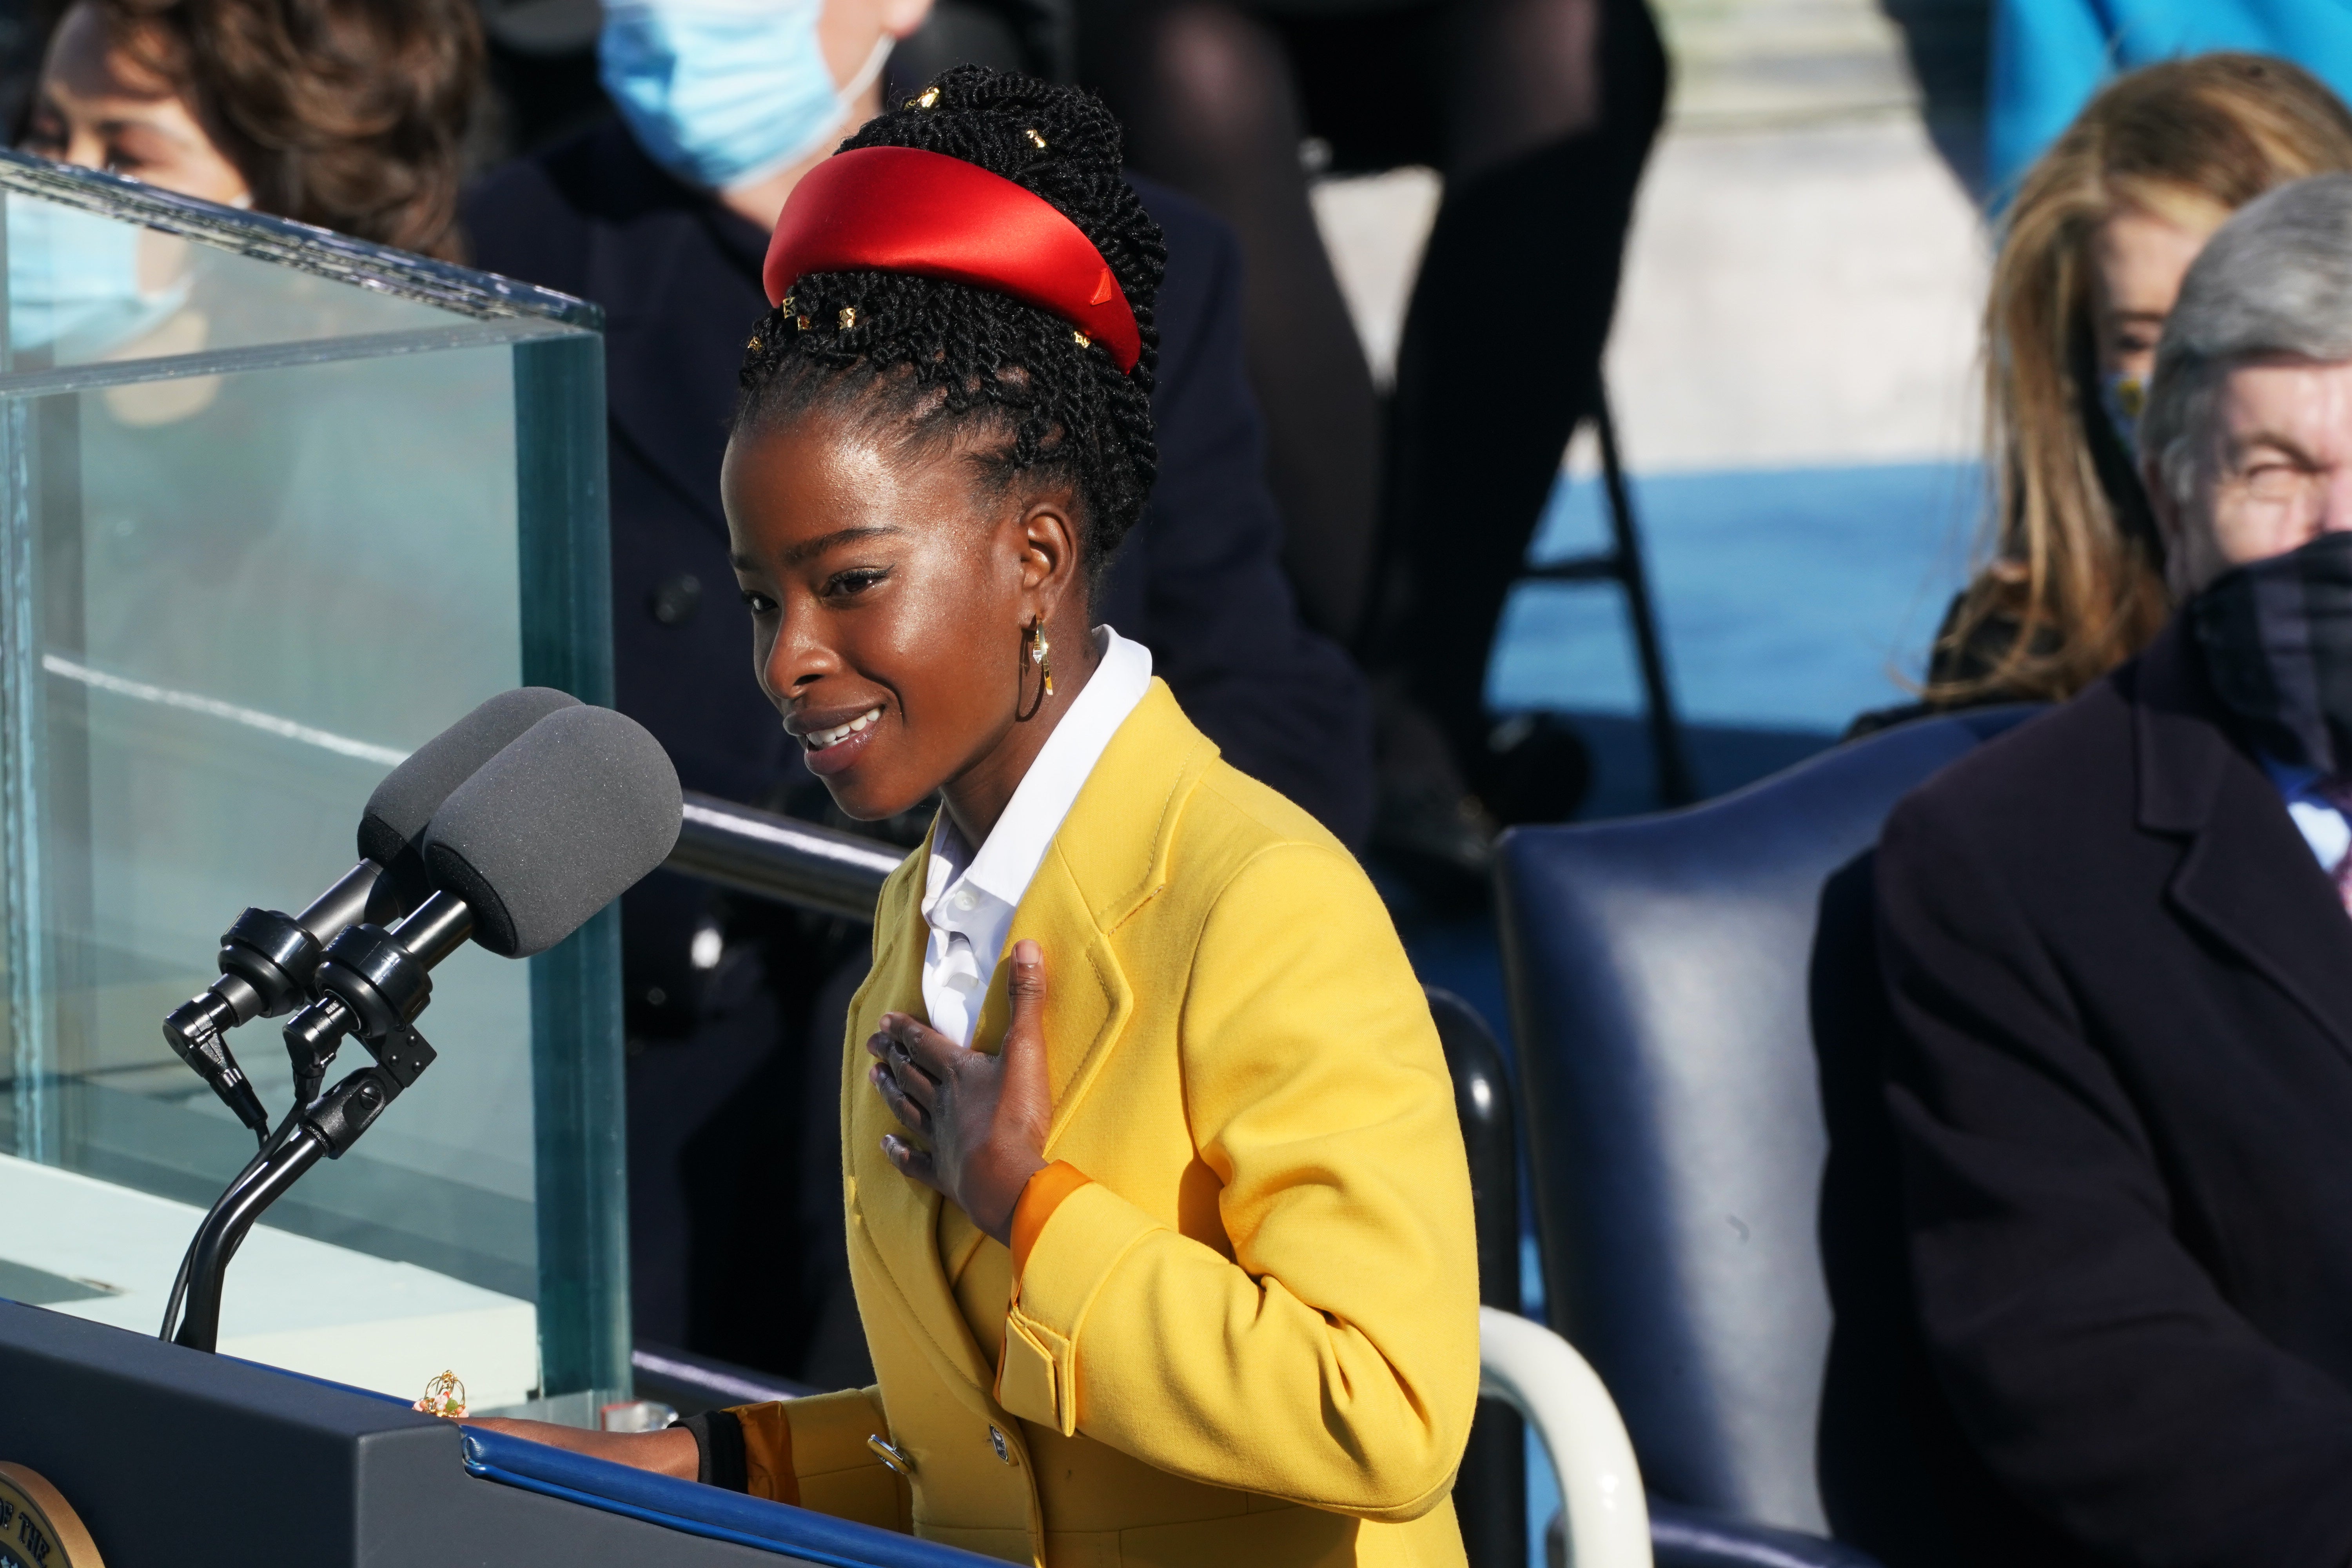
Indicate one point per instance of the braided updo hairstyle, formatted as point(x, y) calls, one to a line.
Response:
point(1015, 385)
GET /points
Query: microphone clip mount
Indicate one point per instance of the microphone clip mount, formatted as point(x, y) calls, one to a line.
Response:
point(269, 966)
point(373, 982)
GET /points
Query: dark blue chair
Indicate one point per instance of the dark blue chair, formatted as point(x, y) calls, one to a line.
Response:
point(1667, 975)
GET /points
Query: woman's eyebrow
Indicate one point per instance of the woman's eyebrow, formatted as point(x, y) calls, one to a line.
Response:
point(814, 548)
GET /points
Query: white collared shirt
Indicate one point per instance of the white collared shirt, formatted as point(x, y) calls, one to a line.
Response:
point(2316, 817)
point(969, 898)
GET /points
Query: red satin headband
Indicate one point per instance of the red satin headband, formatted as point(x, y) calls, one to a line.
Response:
point(900, 209)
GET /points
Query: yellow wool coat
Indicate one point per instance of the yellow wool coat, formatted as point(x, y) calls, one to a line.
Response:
point(1253, 1339)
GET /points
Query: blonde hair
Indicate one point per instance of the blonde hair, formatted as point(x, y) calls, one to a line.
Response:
point(2192, 140)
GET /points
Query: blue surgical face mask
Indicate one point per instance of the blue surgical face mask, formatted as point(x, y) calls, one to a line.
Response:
point(725, 92)
point(73, 283)
point(2122, 396)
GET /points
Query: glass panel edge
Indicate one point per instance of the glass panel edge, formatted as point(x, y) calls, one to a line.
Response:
point(578, 1100)
point(286, 243)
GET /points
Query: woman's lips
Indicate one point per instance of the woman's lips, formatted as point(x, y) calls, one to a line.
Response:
point(817, 740)
point(841, 745)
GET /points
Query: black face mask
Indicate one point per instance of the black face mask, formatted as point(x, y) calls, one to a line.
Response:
point(2277, 636)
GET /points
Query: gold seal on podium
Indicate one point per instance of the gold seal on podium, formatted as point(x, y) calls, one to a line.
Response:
point(39, 1529)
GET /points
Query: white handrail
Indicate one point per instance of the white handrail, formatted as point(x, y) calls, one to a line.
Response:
point(1539, 1374)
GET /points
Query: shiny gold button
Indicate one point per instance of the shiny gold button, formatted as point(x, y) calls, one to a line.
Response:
point(889, 1455)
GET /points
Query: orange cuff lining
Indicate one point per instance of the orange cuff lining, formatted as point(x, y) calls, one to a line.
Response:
point(1039, 1199)
point(768, 1452)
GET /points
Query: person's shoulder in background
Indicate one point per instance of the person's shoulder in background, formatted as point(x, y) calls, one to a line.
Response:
point(1200, 581)
point(531, 216)
point(2050, 800)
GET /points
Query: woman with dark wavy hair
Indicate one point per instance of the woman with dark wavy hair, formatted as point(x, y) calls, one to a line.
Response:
point(348, 114)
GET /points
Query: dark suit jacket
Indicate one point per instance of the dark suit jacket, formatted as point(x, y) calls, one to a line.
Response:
point(1200, 581)
point(2121, 1086)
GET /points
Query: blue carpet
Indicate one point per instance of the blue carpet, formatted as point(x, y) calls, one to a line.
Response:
point(1790, 599)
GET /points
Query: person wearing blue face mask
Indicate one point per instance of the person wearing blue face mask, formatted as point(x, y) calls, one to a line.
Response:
point(730, 95)
point(661, 215)
point(207, 100)
point(741, 98)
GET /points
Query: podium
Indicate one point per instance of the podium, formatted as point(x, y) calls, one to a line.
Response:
point(173, 1459)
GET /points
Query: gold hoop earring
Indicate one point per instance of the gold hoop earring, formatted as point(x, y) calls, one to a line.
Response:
point(1038, 649)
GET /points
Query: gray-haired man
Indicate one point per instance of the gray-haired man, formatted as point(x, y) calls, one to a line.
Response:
point(2117, 949)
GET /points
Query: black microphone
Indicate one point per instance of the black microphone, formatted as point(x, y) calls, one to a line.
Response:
point(542, 836)
point(269, 960)
point(558, 824)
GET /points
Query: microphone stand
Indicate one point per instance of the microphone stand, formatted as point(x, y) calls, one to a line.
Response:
point(373, 982)
point(328, 1129)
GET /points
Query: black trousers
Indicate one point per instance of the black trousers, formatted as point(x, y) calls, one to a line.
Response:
point(1500, 363)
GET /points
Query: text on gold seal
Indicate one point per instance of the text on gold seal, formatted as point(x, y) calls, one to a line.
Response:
point(39, 1529)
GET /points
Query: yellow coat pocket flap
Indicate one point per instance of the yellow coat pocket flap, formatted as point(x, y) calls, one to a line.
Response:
point(1037, 1377)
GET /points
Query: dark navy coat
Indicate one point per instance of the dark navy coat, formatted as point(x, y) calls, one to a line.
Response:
point(2121, 1082)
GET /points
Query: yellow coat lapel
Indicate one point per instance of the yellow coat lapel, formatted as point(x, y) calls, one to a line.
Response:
point(1109, 859)
point(897, 1219)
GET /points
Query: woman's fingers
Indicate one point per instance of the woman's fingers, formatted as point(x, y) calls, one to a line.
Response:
point(913, 1163)
point(890, 1049)
point(915, 1118)
point(922, 1044)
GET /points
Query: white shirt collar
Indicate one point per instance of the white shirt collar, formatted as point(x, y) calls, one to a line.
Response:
point(2316, 817)
point(969, 898)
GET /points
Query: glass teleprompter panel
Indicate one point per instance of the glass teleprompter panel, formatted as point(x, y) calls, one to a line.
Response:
point(275, 508)
point(252, 610)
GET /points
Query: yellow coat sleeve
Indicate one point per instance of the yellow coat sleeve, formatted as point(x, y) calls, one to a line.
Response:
point(1332, 1360)
point(813, 1453)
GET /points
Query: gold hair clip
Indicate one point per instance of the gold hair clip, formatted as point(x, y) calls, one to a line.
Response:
point(1037, 138)
point(1083, 340)
point(927, 97)
point(848, 316)
point(753, 346)
point(801, 321)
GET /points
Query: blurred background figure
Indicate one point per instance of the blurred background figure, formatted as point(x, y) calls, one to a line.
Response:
point(347, 114)
point(2093, 250)
point(352, 115)
point(1408, 526)
point(2050, 56)
point(661, 212)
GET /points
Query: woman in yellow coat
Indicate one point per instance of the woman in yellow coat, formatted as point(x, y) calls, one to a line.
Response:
point(1158, 1214)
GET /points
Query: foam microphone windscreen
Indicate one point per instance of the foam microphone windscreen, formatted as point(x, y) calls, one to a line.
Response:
point(391, 829)
point(554, 828)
